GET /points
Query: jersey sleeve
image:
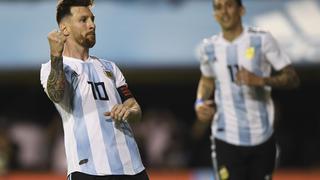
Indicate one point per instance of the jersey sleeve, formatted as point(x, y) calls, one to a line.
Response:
point(121, 84)
point(44, 74)
point(274, 54)
point(119, 78)
point(206, 56)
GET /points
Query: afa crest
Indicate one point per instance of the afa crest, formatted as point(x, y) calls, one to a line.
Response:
point(250, 53)
point(109, 74)
point(224, 173)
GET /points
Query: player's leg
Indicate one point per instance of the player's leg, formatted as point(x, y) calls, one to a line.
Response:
point(231, 161)
point(263, 161)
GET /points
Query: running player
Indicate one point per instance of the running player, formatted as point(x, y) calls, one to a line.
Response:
point(93, 100)
point(236, 64)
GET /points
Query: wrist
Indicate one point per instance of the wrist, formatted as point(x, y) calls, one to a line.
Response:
point(198, 102)
point(56, 53)
point(55, 56)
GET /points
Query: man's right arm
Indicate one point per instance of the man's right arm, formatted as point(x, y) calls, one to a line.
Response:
point(56, 79)
point(204, 106)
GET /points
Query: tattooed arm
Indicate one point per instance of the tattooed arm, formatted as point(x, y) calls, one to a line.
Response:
point(56, 80)
point(286, 78)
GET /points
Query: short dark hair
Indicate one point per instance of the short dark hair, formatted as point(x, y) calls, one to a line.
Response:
point(64, 7)
point(239, 2)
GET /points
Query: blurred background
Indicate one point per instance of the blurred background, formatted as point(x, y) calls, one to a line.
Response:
point(153, 42)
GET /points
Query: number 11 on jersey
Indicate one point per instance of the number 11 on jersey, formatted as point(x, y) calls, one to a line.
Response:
point(233, 70)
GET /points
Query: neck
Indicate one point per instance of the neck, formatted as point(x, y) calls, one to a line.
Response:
point(76, 51)
point(232, 34)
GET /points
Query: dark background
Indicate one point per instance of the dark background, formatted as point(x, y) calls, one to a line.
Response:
point(297, 111)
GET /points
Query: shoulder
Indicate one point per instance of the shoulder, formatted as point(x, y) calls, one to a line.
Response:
point(257, 31)
point(207, 45)
point(45, 67)
point(264, 34)
point(103, 60)
point(209, 41)
point(107, 64)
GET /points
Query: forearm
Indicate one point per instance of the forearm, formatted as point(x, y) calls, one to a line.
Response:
point(287, 78)
point(56, 80)
point(205, 88)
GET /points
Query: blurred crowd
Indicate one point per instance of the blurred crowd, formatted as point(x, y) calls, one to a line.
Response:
point(164, 143)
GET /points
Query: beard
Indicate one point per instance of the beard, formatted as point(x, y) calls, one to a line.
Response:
point(89, 41)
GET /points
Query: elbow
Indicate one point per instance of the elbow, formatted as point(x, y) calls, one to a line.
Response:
point(297, 83)
point(56, 96)
point(294, 83)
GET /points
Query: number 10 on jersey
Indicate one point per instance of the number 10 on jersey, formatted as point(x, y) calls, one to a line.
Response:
point(99, 91)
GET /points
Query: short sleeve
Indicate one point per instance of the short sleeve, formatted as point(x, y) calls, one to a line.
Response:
point(206, 56)
point(274, 54)
point(120, 80)
point(44, 74)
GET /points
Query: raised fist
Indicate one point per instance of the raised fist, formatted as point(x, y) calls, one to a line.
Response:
point(56, 41)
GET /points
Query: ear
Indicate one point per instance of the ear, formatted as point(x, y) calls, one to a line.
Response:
point(64, 28)
point(242, 11)
point(214, 16)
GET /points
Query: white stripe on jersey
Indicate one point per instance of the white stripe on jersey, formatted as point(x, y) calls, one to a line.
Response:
point(124, 151)
point(120, 138)
point(70, 144)
point(229, 113)
point(95, 133)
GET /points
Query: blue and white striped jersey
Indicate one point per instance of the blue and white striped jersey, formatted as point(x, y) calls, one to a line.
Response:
point(245, 114)
point(94, 144)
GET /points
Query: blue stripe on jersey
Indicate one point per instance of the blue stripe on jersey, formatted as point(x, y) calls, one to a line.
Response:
point(256, 42)
point(108, 66)
point(132, 146)
point(82, 137)
point(210, 52)
point(221, 124)
point(107, 130)
point(238, 100)
point(260, 92)
point(110, 142)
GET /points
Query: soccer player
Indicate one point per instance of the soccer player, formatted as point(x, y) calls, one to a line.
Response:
point(93, 100)
point(236, 65)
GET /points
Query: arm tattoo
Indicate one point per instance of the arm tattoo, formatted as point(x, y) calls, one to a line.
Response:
point(56, 80)
point(287, 78)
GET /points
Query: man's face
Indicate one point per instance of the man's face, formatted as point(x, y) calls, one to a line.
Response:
point(227, 13)
point(81, 26)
